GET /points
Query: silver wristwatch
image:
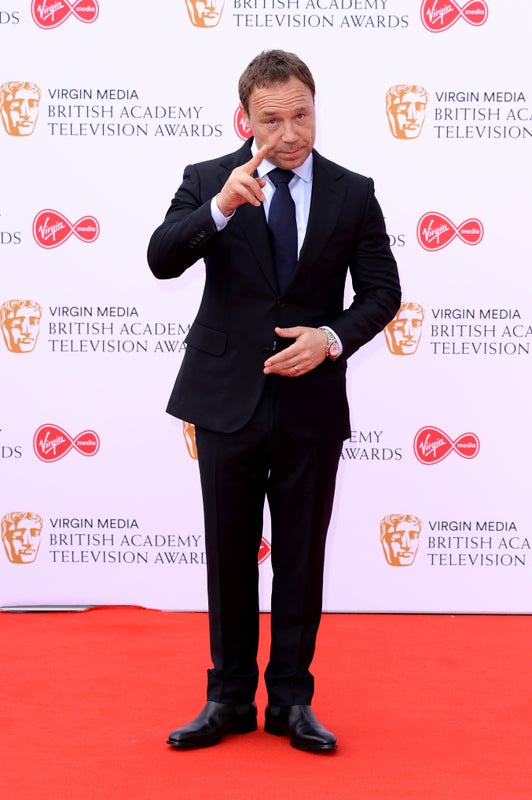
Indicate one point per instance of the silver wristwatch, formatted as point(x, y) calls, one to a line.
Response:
point(332, 348)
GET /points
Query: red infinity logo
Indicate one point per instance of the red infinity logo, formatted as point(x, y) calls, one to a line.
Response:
point(264, 550)
point(242, 129)
point(435, 231)
point(51, 443)
point(52, 13)
point(440, 15)
point(432, 445)
point(50, 228)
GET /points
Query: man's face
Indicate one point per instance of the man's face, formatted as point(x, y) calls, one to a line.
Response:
point(21, 329)
point(283, 117)
point(400, 543)
point(22, 541)
point(404, 332)
point(205, 13)
point(20, 112)
point(407, 114)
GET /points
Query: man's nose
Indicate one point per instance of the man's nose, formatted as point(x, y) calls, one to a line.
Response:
point(289, 131)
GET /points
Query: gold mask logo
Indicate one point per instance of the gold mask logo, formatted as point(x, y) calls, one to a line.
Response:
point(405, 109)
point(403, 333)
point(205, 13)
point(19, 107)
point(20, 321)
point(189, 434)
point(400, 539)
point(21, 535)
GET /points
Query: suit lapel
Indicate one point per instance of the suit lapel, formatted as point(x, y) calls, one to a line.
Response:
point(255, 228)
point(252, 222)
point(326, 200)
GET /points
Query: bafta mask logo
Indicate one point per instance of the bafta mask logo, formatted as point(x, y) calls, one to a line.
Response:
point(403, 333)
point(242, 129)
point(205, 13)
point(20, 321)
point(405, 109)
point(189, 434)
point(19, 107)
point(400, 539)
point(21, 535)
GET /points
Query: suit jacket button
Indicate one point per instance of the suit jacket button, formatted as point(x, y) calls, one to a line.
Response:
point(266, 351)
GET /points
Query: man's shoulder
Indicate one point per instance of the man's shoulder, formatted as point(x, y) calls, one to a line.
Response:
point(335, 170)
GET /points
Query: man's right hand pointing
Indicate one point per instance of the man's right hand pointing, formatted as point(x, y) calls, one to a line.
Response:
point(242, 187)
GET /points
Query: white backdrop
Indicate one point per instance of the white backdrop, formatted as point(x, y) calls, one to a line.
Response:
point(102, 107)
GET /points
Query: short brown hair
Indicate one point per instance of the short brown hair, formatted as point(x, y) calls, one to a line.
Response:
point(272, 66)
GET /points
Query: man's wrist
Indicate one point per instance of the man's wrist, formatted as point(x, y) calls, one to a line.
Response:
point(333, 346)
point(220, 220)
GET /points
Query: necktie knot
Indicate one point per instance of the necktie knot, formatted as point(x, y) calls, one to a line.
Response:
point(278, 176)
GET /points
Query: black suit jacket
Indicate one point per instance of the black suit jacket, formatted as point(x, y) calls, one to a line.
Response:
point(221, 378)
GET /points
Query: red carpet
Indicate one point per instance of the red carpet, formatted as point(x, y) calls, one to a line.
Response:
point(424, 708)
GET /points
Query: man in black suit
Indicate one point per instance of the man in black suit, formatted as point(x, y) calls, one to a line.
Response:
point(263, 381)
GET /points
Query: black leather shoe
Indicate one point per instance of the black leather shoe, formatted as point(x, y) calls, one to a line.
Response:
point(213, 722)
point(300, 724)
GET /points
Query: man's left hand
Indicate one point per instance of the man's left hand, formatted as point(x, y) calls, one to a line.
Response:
point(304, 354)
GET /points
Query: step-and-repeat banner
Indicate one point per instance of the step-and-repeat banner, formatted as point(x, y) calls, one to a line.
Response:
point(102, 105)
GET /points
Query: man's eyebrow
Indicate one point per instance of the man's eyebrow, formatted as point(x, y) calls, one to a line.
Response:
point(273, 111)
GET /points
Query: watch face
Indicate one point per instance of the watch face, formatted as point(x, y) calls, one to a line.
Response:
point(334, 350)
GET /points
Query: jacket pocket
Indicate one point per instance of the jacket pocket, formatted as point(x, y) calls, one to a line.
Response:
point(206, 339)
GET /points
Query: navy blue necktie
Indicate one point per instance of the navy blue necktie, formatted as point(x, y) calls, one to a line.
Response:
point(282, 224)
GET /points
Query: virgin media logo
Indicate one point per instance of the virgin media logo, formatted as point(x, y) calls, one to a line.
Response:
point(264, 550)
point(242, 129)
point(432, 445)
point(50, 443)
point(49, 14)
point(50, 228)
point(435, 231)
point(440, 15)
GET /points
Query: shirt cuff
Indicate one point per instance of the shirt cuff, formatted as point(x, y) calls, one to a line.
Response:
point(339, 341)
point(219, 220)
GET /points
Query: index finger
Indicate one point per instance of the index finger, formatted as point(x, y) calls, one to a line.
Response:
point(257, 159)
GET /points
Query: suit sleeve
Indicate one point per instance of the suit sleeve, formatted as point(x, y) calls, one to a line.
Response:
point(188, 228)
point(375, 279)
